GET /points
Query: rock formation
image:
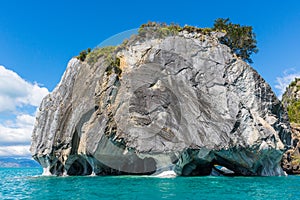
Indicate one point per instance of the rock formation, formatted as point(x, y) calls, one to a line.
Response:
point(181, 102)
point(291, 101)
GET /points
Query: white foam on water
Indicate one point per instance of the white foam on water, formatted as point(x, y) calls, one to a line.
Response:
point(166, 174)
point(93, 174)
point(46, 171)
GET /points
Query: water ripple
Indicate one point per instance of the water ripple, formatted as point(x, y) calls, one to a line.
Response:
point(26, 184)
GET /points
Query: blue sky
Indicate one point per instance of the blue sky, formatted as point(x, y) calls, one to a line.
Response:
point(37, 39)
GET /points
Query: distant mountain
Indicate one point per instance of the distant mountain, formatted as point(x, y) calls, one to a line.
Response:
point(17, 162)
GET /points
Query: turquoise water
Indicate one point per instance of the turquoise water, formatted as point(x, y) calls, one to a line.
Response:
point(27, 184)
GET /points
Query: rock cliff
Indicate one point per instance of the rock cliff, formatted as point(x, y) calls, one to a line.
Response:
point(181, 102)
point(291, 101)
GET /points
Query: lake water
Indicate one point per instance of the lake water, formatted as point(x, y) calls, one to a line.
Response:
point(26, 183)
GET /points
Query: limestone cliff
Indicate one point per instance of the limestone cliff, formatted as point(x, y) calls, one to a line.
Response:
point(180, 102)
point(291, 101)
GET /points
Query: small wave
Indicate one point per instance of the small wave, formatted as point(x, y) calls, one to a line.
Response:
point(166, 174)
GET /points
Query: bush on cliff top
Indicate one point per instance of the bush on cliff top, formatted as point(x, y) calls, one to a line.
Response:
point(94, 55)
point(240, 39)
point(162, 29)
point(291, 102)
point(82, 55)
point(294, 112)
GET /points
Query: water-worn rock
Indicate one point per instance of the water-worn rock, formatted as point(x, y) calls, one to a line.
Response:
point(180, 103)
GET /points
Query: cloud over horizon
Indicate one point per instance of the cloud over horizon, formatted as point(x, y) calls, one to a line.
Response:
point(15, 151)
point(19, 100)
point(16, 92)
point(283, 82)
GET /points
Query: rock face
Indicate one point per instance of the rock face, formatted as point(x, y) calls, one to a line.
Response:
point(183, 103)
point(291, 101)
point(291, 158)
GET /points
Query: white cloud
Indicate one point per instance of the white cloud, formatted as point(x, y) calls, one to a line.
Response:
point(20, 150)
point(17, 99)
point(16, 92)
point(18, 132)
point(25, 120)
point(285, 80)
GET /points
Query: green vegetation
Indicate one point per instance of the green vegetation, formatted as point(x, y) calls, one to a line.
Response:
point(163, 30)
point(293, 83)
point(291, 101)
point(114, 66)
point(105, 52)
point(159, 29)
point(294, 111)
point(241, 39)
point(108, 53)
point(83, 54)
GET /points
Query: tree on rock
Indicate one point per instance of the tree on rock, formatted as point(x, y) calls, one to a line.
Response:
point(83, 54)
point(241, 39)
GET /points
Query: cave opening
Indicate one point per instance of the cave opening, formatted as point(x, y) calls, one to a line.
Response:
point(80, 167)
point(196, 168)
